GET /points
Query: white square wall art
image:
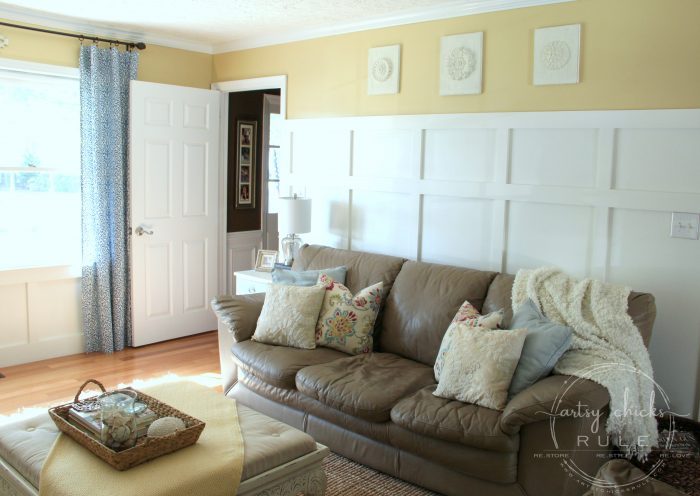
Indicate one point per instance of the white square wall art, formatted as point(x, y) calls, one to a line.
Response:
point(384, 70)
point(461, 62)
point(556, 58)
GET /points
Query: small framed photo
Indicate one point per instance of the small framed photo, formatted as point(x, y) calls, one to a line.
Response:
point(266, 260)
point(246, 134)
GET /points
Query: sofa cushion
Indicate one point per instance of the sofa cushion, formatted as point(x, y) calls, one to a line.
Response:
point(364, 269)
point(277, 365)
point(423, 301)
point(365, 386)
point(453, 421)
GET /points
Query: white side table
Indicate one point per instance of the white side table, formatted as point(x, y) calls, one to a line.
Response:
point(252, 281)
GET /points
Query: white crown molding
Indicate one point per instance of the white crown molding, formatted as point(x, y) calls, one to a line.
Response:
point(459, 8)
point(51, 21)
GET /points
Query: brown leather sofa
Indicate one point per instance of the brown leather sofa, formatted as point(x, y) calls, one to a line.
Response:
point(378, 408)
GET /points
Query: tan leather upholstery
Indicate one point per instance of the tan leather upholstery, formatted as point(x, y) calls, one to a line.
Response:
point(532, 404)
point(239, 313)
point(268, 443)
point(622, 475)
point(366, 386)
point(453, 421)
point(422, 304)
point(384, 415)
point(278, 365)
point(364, 269)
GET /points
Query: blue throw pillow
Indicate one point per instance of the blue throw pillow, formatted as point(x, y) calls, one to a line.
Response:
point(545, 343)
point(307, 277)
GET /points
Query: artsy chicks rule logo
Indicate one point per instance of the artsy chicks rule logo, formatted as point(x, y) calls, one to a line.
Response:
point(624, 428)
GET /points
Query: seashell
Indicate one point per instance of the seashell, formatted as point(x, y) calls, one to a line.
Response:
point(164, 426)
point(121, 434)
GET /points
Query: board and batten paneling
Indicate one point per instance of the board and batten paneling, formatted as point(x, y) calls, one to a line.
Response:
point(590, 192)
point(41, 317)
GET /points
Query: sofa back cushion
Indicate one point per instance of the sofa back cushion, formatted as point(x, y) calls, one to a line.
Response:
point(422, 303)
point(640, 306)
point(364, 269)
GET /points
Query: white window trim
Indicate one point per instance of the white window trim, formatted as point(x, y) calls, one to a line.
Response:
point(40, 273)
point(37, 68)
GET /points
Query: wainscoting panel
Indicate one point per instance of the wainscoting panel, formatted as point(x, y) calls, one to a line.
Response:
point(398, 215)
point(13, 308)
point(241, 249)
point(548, 235)
point(457, 231)
point(590, 192)
point(554, 157)
point(658, 160)
point(459, 154)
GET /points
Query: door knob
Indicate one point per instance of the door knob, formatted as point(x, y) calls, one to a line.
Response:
point(140, 231)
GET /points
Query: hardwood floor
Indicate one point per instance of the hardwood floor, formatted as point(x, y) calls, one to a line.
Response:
point(55, 381)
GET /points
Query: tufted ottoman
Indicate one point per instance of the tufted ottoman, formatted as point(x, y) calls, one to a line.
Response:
point(278, 459)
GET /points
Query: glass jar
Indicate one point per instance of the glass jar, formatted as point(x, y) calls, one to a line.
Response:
point(118, 419)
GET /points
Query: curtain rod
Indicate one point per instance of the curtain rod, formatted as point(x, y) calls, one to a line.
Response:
point(139, 45)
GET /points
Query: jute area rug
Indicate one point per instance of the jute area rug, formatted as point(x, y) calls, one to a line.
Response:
point(347, 478)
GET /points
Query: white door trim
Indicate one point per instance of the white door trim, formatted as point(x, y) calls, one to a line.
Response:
point(226, 87)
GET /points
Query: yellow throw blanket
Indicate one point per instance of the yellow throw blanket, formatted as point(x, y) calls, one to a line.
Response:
point(210, 467)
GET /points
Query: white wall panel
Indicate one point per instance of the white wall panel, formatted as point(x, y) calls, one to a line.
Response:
point(554, 157)
point(329, 217)
point(320, 151)
point(457, 231)
point(459, 154)
point(385, 223)
point(548, 235)
point(158, 294)
point(54, 309)
point(194, 256)
point(241, 250)
point(658, 160)
point(644, 257)
point(386, 153)
point(13, 308)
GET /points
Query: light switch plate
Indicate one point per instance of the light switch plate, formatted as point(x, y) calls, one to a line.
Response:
point(684, 225)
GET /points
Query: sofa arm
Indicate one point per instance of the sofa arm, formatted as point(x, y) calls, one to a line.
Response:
point(237, 317)
point(535, 403)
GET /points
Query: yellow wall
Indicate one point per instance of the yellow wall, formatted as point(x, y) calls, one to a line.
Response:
point(157, 64)
point(635, 54)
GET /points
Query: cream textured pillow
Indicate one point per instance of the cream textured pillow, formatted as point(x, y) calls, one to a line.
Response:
point(289, 316)
point(470, 317)
point(480, 365)
point(346, 322)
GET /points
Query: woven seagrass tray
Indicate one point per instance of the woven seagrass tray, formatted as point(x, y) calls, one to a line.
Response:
point(147, 448)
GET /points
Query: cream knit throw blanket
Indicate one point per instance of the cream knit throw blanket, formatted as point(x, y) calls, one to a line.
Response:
point(604, 334)
point(211, 467)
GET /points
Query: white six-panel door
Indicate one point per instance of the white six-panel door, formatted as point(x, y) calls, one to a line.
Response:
point(174, 210)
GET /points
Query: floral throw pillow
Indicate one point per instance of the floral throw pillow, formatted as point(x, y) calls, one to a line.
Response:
point(346, 322)
point(470, 317)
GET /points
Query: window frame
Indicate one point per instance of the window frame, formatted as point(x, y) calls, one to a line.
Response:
point(39, 272)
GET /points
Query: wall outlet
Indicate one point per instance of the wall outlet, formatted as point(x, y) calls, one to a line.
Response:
point(684, 225)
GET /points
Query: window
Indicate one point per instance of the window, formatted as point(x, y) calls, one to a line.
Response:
point(39, 166)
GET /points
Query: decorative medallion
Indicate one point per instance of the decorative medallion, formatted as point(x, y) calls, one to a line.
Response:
point(556, 57)
point(383, 70)
point(461, 64)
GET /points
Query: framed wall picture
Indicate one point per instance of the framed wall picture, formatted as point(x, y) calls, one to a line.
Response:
point(245, 163)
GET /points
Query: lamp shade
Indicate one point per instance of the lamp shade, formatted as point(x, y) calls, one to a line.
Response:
point(294, 216)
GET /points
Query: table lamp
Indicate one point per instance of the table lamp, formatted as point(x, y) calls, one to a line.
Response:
point(294, 218)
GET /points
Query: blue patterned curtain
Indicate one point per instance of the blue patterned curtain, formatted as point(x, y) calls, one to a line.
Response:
point(104, 117)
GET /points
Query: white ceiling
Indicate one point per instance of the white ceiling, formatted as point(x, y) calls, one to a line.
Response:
point(220, 25)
